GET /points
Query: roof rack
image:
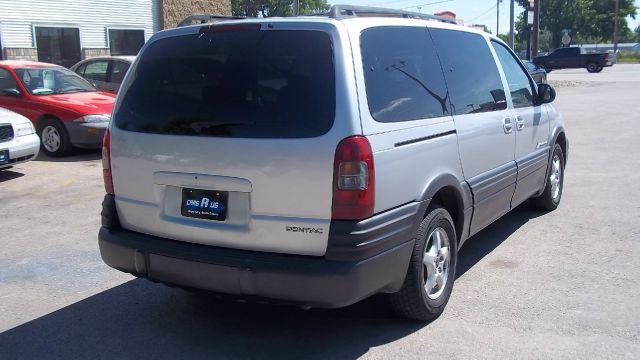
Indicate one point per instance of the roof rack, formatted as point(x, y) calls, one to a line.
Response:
point(203, 19)
point(350, 11)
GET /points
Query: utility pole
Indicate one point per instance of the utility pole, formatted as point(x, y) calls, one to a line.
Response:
point(497, 17)
point(615, 28)
point(511, 25)
point(536, 28)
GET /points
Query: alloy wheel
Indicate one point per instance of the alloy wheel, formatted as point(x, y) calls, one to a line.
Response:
point(436, 260)
point(555, 178)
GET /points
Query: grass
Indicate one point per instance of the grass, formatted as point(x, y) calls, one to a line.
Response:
point(628, 57)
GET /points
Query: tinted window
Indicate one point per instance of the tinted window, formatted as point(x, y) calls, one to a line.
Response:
point(470, 70)
point(96, 70)
point(255, 84)
point(118, 70)
point(80, 69)
point(6, 81)
point(125, 42)
point(517, 79)
point(403, 77)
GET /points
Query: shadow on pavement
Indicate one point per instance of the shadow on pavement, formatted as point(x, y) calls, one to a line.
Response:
point(143, 320)
point(140, 319)
point(6, 175)
point(76, 155)
point(487, 240)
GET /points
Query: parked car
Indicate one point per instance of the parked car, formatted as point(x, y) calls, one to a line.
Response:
point(320, 161)
point(572, 58)
point(65, 109)
point(538, 74)
point(18, 140)
point(106, 73)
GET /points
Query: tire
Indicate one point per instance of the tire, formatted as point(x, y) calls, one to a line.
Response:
point(552, 194)
point(593, 68)
point(599, 69)
point(413, 301)
point(548, 69)
point(54, 139)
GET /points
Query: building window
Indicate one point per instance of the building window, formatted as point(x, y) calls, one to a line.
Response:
point(125, 42)
point(58, 45)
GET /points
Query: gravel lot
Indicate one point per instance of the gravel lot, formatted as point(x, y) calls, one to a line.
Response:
point(561, 285)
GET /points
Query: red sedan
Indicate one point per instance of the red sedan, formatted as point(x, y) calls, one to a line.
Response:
point(66, 110)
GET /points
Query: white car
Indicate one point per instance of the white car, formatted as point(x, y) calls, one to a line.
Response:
point(18, 139)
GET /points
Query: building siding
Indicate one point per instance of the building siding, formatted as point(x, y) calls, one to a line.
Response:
point(93, 17)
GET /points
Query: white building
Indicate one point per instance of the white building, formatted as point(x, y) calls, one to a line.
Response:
point(633, 47)
point(66, 31)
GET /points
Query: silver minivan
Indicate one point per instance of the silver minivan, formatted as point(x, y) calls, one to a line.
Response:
point(320, 160)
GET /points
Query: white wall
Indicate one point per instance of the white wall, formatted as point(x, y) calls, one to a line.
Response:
point(17, 18)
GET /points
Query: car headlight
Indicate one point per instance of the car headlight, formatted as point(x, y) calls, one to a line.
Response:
point(93, 118)
point(23, 129)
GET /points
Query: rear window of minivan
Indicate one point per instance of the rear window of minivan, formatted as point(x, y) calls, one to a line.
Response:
point(236, 83)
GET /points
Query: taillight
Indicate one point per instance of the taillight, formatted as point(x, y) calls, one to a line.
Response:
point(353, 180)
point(106, 163)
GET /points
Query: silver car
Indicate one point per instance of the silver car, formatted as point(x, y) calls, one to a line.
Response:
point(106, 73)
point(321, 160)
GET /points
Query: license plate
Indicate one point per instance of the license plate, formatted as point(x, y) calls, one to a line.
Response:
point(204, 204)
point(4, 156)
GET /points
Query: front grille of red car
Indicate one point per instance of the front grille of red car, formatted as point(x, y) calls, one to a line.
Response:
point(6, 132)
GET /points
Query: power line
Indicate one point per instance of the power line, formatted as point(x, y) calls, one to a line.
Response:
point(409, 7)
point(483, 14)
point(427, 4)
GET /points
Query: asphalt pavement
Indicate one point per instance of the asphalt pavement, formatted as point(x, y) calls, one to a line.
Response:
point(559, 285)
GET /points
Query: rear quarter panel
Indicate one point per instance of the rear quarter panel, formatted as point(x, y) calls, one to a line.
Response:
point(408, 155)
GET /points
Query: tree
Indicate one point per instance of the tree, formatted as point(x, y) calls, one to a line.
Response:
point(504, 37)
point(586, 19)
point(484, 27)
point(268, 8)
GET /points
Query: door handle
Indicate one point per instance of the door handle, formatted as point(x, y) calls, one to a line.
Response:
point(519, 123)
point(507, 125)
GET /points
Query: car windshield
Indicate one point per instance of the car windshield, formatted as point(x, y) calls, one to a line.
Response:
point(52, 80)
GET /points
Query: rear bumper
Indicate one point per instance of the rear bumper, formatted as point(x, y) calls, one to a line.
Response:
point(361, 260)
point(86, 135)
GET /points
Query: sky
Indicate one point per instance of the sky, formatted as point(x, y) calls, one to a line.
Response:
point(471, 11)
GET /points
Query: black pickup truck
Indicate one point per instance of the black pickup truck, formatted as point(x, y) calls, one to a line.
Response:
point(573, 58)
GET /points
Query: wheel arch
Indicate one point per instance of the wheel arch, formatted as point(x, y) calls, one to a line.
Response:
point(558, 136)
point(42, 118)
point(561, 139)
point(447, 191)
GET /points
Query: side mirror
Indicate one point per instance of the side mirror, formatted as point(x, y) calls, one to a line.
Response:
point(546, 94)
point(11, 92)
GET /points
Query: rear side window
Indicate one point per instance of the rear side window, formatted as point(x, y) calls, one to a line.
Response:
point(470, 71)
point(96, 70)
point(403, 77)
point(249, 84)
point(118, 71)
